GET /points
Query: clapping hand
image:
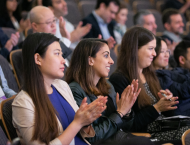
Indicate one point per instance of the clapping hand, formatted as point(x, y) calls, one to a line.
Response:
point(111, 41)
point(128, 98)
point(63, 29)
point(80, 31)
point(164, 104)
point(87, 113)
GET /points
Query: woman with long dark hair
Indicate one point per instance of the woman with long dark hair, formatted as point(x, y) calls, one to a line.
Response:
point(10, 15)
point(45, 112)
point(135, 62)
point(86, 75)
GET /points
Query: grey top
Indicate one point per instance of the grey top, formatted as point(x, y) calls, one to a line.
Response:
point(154, 100)
point(3, 84)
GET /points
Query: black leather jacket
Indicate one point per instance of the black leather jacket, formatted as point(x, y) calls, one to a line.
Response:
point(104, 126)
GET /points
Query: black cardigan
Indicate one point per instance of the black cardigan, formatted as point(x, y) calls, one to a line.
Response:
point(143, 116)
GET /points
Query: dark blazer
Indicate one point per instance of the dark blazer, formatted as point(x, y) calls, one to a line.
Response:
point(177, 81)
point(143, 116)
point(3, 40)
point(95, 30)
point(6, 23)
point(105, 126)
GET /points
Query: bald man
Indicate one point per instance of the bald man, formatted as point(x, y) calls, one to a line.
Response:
point(43, 20)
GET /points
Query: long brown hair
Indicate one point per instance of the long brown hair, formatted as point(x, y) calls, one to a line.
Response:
point(127, 63)
point(80, 70)
point(46, 125)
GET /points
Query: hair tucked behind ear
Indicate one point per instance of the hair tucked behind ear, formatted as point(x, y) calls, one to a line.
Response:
point(127, 63)
point(46, 125)
point(80, 70)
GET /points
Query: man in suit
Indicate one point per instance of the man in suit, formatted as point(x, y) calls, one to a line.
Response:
point(102, 20)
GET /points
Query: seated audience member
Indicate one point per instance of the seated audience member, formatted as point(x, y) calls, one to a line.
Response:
point(146, 19)
point(87, 78)
point(60, 10)
point(45, 112)
point(121, 18)
point(173, 23)
point(182, 54)
point(4, 86)
point(160, 61)
point(134, 62)
point(43, 20)
point(102, 22)
point(10, 16)
point(177, 80)
point(7, 45)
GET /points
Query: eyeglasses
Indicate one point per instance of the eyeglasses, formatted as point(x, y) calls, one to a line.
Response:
point(166, 52)
point(49, 23)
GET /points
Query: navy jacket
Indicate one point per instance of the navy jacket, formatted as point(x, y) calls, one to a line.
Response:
point(95, 30)
point(6, 23)
point(178, 82)
point(3, 40)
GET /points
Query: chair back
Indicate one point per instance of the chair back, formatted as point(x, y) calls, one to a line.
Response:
point(28, 32)
point(74, 15)
point(158, 18)
point(114, 58)
point(8, 73)
point(17, 64)
point(6, 117)
point(130, 23)
point(131, 1)
point(142, 5)
point(87, 7)
point(186, 137)
point(160, 5)
point(3, 138)
point(117, 49)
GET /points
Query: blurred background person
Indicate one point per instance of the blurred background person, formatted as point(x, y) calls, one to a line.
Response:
point(146, 19)
point(10, 16)
point(182, 54)
point(8, 44)
point(60, 10)
point(121, 17)
point(160, 61)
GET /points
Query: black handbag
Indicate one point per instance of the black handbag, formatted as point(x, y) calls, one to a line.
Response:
point(174, 126)
point(173, 123)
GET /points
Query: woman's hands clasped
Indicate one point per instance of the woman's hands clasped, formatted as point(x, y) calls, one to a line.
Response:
point(87, 113)
point(166, 103)
point(128, 98)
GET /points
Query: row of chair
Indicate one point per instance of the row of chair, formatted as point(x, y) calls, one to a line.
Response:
point(78, 11)
point(6, 116)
